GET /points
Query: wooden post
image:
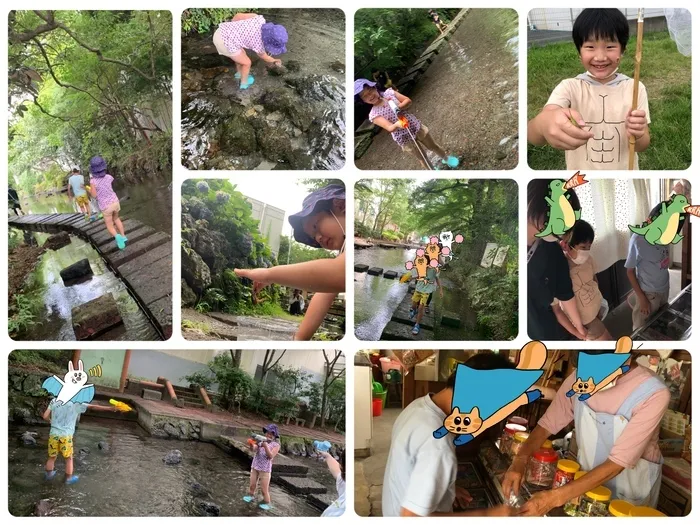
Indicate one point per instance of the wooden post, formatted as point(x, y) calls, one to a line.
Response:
point(75, 357)
point(125, 371)
point(635, 92)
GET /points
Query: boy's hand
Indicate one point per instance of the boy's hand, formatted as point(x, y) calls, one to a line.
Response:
point(636, 123)
point(560, 133)
point(462, 497)
point(644, 305)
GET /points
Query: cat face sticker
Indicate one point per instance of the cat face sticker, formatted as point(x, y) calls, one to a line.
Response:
point(602, 370)
point(420, 264)
point(432, 251)
point(483, 398)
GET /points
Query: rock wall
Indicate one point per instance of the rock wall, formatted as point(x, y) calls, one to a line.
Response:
point(27, 400)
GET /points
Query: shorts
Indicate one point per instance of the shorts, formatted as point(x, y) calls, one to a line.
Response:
point(112, 208)
point(262, 476)
point(221, 47)
point(63, 444)
point(82, 200)
point(420, 297)
point(657, 300)
point(420, 136)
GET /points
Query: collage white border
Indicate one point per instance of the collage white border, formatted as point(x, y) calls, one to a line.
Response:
point(522, 174)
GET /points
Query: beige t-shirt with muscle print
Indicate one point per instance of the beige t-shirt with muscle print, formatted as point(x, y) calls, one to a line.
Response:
point(604, 107)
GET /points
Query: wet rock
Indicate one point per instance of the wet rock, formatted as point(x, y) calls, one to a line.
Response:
point(293, 66)
point(213, 72)
point(103, 446)
point(194, 270)
point(208, 508)
point(172, 431)
point(187, 296)
point(277, 71)
point(199, 490)
point(338, 66)
point(212, 246)
point(284, 101)
point(76, 272)
point(275, 116)
point(58, 241)
point(43, 507)
point(95, 317)
point(84, 451)
point(173, 457)
point(28, 438)
point(237, 137)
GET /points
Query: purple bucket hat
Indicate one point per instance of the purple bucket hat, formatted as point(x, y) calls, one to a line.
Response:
point(274, 38)
point(360, 84)
point(98, 166)
point(271, 428)
point(321, 199)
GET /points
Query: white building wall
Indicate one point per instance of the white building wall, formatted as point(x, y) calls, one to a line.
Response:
point(270, 222)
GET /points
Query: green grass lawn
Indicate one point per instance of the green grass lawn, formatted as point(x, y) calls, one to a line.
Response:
point(665, 73)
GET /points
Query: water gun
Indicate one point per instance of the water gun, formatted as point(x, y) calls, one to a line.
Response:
point(258, 438)
point(322, 446)
point(403, 121)
point(122, 407)
point(405, 277)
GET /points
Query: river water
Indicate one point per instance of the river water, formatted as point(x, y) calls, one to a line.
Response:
point(150, 203)
point(376, 298)
point(131, 478)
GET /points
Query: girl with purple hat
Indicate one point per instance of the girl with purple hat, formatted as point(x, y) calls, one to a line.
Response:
point(261, 467)
point(387, 113)
point(250, 31)
point(107, 200)
point(320, 224)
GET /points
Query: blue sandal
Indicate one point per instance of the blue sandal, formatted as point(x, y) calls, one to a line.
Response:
point(119, 239)
point(251, 81)
point(416, 329)
point(451, 162)
point(49, 475)
point(237, 75)
point(248, 499)
point(265, 506)
point(73, 479)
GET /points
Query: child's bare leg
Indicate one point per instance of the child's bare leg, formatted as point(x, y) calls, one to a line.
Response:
point(265, 488)
point(430, 143)
point(253, 482)
point(419, 317)
point(50, 464)
point(109, 223)
point(69, 467)
point(419, 155)
point(242, 65)
point(118, 222)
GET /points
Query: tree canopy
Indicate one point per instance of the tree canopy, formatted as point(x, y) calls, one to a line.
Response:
point(86, 83)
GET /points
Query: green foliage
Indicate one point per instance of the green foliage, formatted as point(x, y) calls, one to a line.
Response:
point(300, 252)
point(205, 20)
point(24, 312)
point(194, 325)
point(361, 230)
point(391, 235)
point(391, 39)
point(336, 403)
point(203, 379)
point(55, 361)
point(68, 105)
point(234, 384)
point(492, 293)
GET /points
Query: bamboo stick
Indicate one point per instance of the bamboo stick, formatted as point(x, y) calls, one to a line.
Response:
point(637, 68)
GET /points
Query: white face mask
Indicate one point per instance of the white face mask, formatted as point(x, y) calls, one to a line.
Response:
point(550, 238)
point(582, 256)
point(342, 248)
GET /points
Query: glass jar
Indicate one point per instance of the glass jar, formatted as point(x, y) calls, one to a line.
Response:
point(571, 506)
point(566, 469)
point(507, 437)
point(518, 439)
point(595, 502)
point(645, 512)
point(517, 420)
point(619, 508)
point(541, 468)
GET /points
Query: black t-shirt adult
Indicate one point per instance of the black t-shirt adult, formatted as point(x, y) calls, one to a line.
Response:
point(547, 278)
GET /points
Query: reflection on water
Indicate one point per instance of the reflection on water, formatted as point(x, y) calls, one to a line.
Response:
point(131, 479)
point(149, 202)
point(55, 320)
point(376, 298)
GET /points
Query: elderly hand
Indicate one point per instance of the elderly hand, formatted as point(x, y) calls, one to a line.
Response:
point(540, 504)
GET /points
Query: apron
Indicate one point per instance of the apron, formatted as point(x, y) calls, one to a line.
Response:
point(597, 432)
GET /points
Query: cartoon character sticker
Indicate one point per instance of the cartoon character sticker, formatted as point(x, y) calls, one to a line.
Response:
point(73, 388)
point(664, 228)
point(419, 264)
point(432, 251)
point(598, 372)
point(483, 398)
point(562, 216)
point(446, 239)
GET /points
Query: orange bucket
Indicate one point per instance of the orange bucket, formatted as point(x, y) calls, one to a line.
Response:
point(376, 407)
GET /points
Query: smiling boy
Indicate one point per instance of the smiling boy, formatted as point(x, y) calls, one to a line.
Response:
point(599, 100)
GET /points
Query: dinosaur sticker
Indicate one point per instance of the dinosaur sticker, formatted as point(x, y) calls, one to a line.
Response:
point(562, 216)
point(73, 388)
point(597, 372)
point(483, 398)
point(663, 229)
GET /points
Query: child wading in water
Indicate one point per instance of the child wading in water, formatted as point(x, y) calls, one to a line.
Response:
point(250, 31)
point(320, 224)
point(261, 468)
point(101, 188)
point(387, 113)
point(63, 417)
point(590, 116)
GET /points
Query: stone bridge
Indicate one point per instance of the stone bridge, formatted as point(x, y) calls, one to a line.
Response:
point(145, 266)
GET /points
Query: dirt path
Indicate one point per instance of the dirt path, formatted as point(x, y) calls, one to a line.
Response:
point(468, 98)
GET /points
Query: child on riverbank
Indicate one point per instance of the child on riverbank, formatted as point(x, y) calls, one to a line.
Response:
point(250, 31)
point(76, 190)
point(320, 224)
point(424, 289)
point(583, 270)
point(337, 470)
point(590, 116)
point(107, 200)
point(647, 270)
point(387, 113)
point(435, 16)
point(261, 468)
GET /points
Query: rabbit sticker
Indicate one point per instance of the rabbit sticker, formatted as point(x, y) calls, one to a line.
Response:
point(73, 388)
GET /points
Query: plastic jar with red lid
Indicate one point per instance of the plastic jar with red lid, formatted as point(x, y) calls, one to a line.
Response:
point(541, 467)
point(509, 432)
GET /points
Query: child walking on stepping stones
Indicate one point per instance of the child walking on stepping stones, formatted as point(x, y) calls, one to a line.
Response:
point(107, 200)
point(250, 31)
point(261, 468)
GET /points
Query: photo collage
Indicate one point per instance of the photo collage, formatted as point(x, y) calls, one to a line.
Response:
point(508, 337)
